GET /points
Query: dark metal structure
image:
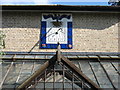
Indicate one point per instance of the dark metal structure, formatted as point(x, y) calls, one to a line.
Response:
point(61, 65)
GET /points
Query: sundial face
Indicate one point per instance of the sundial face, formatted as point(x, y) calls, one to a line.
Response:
point(56, 28)
point(56, 33)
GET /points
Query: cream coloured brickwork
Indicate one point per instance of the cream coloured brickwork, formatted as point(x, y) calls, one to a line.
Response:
point(92, 32)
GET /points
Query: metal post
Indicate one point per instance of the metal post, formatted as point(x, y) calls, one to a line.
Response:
point(58, 53)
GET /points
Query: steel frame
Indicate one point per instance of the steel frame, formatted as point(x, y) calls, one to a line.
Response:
point(59, 59)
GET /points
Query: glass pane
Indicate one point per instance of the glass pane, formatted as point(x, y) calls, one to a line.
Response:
point(28, 65)
point(40, 85)
point(103, 80)
point(48, 85)
point(76, 63)
point(85, 67)
point(106, 86)
point(117, 85)
point(67, 85)
point(91, 76)
point(37, 65)
point(116, 65)
point(76, 85)
point(5, 66)
point(7, 87)
point(23, 78)
point(58, 85)
point(114, 78)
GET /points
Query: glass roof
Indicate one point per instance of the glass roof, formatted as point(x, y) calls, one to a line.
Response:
point(101, 69)
point(104, 73)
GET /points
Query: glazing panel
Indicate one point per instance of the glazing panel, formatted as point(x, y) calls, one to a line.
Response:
point(48, 85)
point(23, 78)
point(40, 85)
point(5, 67)
point(15, 70)
point(103, 80)
point(114, 78)
point(28, 65)
point(8, 87)
point(76, 85)
point(76, 64)
point(68, 85)
point(58, 85)
point(108, 66)
point(97, 69)
point(112, 72)
point(106, 86)
point(91, 76)
point(85, 67)
point(95, 65)
point(116, 84)
point(26, 71)
point(11, 79)
point(37, 65)
point(116, 65)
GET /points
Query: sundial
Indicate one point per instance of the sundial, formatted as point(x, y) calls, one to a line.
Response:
point(56, 28)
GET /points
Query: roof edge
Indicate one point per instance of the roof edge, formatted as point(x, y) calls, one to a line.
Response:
point(64, 8)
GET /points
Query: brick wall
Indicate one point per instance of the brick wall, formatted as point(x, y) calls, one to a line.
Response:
point(92, 32)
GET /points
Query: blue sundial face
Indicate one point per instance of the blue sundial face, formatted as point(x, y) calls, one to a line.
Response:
point(54, 31)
